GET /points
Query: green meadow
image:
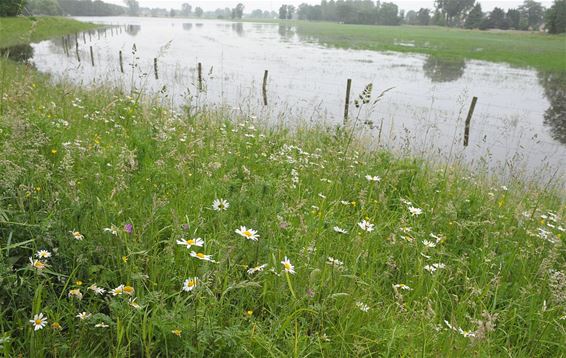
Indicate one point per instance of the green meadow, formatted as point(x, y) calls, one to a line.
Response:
point(128, 228)
point(518, 48)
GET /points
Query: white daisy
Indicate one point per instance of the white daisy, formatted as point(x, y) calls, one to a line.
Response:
point(76, 293)
point(101, 325)
point(117, 291)
point(366, 225)
point(249, 234)
point(415, 211)
point(38, 322)
point(77, 235)
point(334, 262)
point(220, 204)
point(43, 254)
point(287, 266)
point(37, 264)
point(373, 178)
point(190, 284)
point(113, 229)
point(362, 306)
point(402, 286)
point(202, 256)
point(191, 242)
point(96, 289)
point(83, 315)
point(340, 230)
point(253, 270)
point(429, 243)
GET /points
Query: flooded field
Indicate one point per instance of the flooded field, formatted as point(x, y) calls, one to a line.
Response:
point(518, 126)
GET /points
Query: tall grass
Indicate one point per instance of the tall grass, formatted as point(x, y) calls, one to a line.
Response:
point(390, 256)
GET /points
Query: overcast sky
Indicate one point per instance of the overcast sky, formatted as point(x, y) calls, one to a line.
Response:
point(274, 5)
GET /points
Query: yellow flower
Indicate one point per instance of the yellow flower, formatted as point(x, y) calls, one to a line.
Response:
point(54, 151)
point(177, 332)
point(128, 290)
point(78, 283)
point(56, 326)
point(249, 313)
point(125, 259)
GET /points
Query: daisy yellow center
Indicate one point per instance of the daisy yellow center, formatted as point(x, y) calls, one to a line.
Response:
point(128, 289)
point(38, 322)
point(221, 206)
point(287, 266)
point(191, 283)
point(247, 233)
point(191, 242)
point(200, 255)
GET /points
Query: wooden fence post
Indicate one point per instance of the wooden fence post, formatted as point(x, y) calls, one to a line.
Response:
point(121, 63)
point(155, 68)
point(91, 56)
point(264, 88)
point(199, 69)
point(77, 51)
point(347, 104)
point(468, 120)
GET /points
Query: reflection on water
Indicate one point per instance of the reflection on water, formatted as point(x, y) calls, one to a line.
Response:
point(520, 113)
point(133, 30)
point(554, 85)
point(18, 53)
point(443, 70)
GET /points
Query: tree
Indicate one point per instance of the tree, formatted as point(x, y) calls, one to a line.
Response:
point(497, 19)
point(11, 7)
point(133, 7)
point(474, 18)
point(44, 7)
point(454, 11)
point(198, 11)
point(290, 12)
point(514, 18)
point(411, 17)
point(238, 11)
point(533, 13)
point(555, 19)
point(186, 9)
point(283, 12)
point(423, 17)
point(388, 14)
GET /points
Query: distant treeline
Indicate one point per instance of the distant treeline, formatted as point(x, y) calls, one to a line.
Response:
point(72, 7)
point(454, 13)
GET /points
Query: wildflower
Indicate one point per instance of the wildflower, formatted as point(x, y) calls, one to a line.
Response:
point(189, 284)
point(287, 266)
point(117, 291)
point(402, 286)
point(78, 283)
point(220, 204)
point(37, 264)
point(191, 242)
point(132, 302)
point(202, 256)
point(113, 229)
point(249, 234)
point(432, 268)
point(129, 290)
point(366, 225)
point(38, 322)
point(344, 202)
point(340, 230)
point(177, 332)
point(249, 313)
point(83, 315)
point(101, 325)
point(96, 289)
point(373, 178)
point(76, 293)
point(128, 228)
point(43, 254)
point(253, 270)
point(415, 211)
point(334, 262)
point(56, 326)
point(429, 243)
point(77, 235)
point(438, 238)
point(53, 151)
point(362, 306)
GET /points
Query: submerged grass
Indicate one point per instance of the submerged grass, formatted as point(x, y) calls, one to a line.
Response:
point(519, 48)
point(344, 252)
point(23, 30)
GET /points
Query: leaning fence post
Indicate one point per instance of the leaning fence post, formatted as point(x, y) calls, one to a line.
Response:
point(155, 68)
point(121, 63)
point(77, 51)
point(84, 38)
point(347, 104)
point(199, 68)
point(91, 56)
point(468, 120)
point(264, 88)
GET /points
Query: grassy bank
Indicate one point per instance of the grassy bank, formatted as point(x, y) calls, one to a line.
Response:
point(538, 50)
point(413, 261)
point(23, 30)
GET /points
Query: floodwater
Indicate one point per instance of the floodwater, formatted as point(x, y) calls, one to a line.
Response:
point(518, 126)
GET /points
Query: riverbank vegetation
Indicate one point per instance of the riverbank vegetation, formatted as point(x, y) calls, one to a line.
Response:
point(132, 229)
point(23, 30)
